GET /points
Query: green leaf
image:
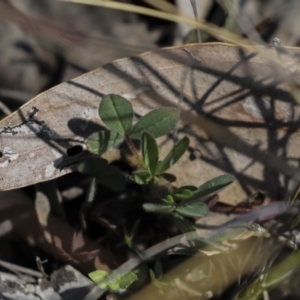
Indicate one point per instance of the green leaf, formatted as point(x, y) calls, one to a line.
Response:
point(141, 177)
point(168, 199)
point(157, 122)
point(128, 240)
point(127, 279)
point(193, 210)
point(129, 236)
point(152, 275)
point(113, 286)
point(158, 284)
point(101, 141)
point(208, 188)
point(116, 284)
point(162, 208)
point(107, 175)
point(149, 152)
point(173, 156)
point(184, 192)
point(183, 224)
point(116, 113)
point(158, 270)
point(98, 276)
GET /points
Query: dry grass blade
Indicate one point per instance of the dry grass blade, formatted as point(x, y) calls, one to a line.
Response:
point(217, 32)
point(63, 37)
point(59, 35)
point(163, 5)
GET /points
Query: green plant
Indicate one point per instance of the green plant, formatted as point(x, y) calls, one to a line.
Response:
point(183, 203)
point(117, 114)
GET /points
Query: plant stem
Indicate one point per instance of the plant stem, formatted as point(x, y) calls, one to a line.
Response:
point(134, 151)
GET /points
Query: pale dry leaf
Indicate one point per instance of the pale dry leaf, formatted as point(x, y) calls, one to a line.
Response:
point(235, 110)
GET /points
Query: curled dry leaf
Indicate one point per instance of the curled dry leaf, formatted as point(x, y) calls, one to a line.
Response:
point(235, 110)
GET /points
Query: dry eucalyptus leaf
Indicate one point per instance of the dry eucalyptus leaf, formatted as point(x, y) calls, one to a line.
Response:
point(234, 108)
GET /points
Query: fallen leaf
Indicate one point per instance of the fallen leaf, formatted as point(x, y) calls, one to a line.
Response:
point(235, 109)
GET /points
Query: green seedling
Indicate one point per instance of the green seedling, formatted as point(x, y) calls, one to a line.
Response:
point(129, 236)
point(117, 114)
point(181, 204)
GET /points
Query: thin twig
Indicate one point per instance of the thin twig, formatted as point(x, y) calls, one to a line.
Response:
point(13, 267)
point(41, 267)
